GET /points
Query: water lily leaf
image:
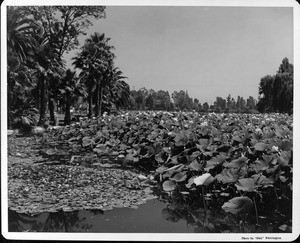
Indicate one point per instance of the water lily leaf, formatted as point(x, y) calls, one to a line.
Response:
point(167, 150)
point(219, 159)
point(246, 184)
point(238, 205)
point(194, 165)
point(73, 140)
point(205, 179)
point(190, 182)
point(158, 157)
point(279, 132)
point(67, 209)
point(224, 148)
point(260, 165)
point(227, 176)
point(285, 145)
point(161, 169)
point(261, 146)
point(237, 138)
point(51, 151)
point(184, 193)
point(285, 158)
point(195, 154)
point(237, 163)
point(178, 177)
point(106, 165)
point(262, 180)
point(169, 186)
point(175, 168)
point(86, 141)
point(181, 139)
point(130, 157)
point(101, 150)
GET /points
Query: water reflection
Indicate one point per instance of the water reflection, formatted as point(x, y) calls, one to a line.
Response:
point(170, 213)
point(50, 222)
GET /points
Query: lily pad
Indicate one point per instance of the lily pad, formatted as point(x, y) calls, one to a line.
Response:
point(178, 177)
point(260, 146)
point(238, 205)
point(246, 184)
point(204, 180)
point(169, 185)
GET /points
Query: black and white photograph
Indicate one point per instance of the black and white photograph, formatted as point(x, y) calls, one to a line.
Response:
point(150, 120)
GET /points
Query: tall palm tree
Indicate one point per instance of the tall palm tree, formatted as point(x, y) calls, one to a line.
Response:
point(94, 60)
point(49, 69)
point(72, 88)
point(119, 89)
point(19, 33)
point(20, 46)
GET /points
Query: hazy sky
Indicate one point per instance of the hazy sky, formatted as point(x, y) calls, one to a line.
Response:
point(208, 51)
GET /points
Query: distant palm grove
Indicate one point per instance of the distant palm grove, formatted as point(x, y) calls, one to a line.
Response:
point(40, 86)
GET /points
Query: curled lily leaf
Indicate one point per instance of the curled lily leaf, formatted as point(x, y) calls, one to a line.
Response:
point(238, 205)
point(204, 180)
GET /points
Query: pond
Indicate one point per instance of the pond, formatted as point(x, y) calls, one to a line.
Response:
point(165, 214)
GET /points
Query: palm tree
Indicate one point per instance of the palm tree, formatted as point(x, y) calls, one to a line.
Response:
point(71, 89)
point(49, 69)
point(20, 46)
point(94, 60)
point(19, 33)
point(119, 89)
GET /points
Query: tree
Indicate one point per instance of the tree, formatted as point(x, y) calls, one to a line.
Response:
point(182, 100)
point(117, 89)
point(276, 92)
point(149, 102)
point(95, 60)
point(205, 106)
point(251, 103)
point(20, 46)
point(64, 24)
point(49, 68)
point(140, 98)
point(61, 27)
point(220, 103)
point(71, 89)
point(162, 100)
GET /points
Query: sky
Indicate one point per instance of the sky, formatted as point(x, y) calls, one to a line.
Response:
point(206, 51)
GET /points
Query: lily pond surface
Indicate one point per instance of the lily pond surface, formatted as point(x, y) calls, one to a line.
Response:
point(165, 214)
point(228, 173)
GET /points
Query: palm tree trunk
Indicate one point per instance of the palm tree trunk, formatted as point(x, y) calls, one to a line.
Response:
point(97, 103)
point(90, 101)
point(9, 102)
point(68, 113)
point(42, 101)
point(37, 95)
point(51, 106)
point(101, 99)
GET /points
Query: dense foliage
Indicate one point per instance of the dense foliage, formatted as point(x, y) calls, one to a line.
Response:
point(37, 39)
point(243, 161)
point(277, 91)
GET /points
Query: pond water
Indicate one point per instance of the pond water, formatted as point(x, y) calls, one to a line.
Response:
point(155, 216)
point(146, 219)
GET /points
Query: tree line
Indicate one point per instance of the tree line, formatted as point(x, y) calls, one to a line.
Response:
point(39, 83)
point(275, 95)
point(144, 99)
